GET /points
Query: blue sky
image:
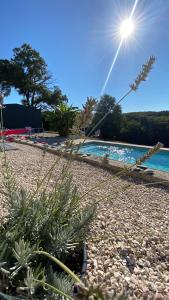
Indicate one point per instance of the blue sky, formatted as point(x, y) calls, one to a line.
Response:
point(78, 39)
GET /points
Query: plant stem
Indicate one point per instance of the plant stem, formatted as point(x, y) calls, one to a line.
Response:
point(124, 96)
point(60, 264)
point(2, 136)
point(54, 289)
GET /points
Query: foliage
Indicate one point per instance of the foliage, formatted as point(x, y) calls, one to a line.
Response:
point(61, 119)
point(5, 89)
point(131, 130)
point(48, 220)
point(110, 127)
point(145, 128)
point(48, 120)
point(50, 99)
point(27, 72)
point(81, 291)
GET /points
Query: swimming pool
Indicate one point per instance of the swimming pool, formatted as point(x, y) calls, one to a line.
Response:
point(127, 154)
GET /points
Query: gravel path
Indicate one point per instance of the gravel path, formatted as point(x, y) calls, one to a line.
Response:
point(128, 243)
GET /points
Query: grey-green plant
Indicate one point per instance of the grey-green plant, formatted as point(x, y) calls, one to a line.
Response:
point(48, 220)
point(81, 290)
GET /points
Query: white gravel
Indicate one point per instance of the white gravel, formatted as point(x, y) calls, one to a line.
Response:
point(128, 243)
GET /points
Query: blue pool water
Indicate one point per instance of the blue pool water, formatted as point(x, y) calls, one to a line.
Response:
point(127, 154)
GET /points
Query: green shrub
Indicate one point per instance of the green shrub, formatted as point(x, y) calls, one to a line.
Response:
point(52, 221)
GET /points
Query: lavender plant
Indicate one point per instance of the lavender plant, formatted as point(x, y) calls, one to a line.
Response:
point(52, 221)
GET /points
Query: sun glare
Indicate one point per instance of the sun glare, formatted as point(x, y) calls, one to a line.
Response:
point(126, 28)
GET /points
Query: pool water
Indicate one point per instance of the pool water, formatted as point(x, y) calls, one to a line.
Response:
point(127, 154)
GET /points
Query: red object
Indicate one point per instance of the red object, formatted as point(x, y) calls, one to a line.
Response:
point(14, 131)
point(10, 139)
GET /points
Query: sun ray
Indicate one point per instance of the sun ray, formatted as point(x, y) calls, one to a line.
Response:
point(133, 9)
point(118, 51)
point(112, 65)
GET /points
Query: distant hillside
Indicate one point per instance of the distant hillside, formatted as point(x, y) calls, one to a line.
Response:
point(148, 114)
point(146, 127)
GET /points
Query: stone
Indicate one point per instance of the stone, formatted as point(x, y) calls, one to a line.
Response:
point(142, 167)
point(136, 169)
point(149, 172)
point(127, 279)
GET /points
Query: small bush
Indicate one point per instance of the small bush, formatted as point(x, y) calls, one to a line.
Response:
point(50, 221)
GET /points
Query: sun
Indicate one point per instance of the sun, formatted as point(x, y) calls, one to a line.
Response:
point(126, 28)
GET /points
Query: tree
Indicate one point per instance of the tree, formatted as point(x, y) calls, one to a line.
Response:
point(32, 76)
point(132, 130)
point(61, 119)
point(27, 72)
point(5, 89)
point(6, 76)
point(110, 127)
point(49, 99)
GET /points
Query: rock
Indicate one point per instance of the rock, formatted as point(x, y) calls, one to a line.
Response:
point(93, 249)
point(127, 279)
point(158, 297)
point(117, 275)
point(100, 273)
point(136, 169)
point(148, 172)
point(140, 263)
point(95, 263)
point(106, 263)
point(130, 262)
point(136, 243)
point(142, 167)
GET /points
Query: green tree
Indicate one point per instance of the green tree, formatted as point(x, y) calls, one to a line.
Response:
point(7, 72)
point(5, 89)
point(27, 72)
point(111, 125)
point(49, 99)
point(61, 119)
point(132, 130)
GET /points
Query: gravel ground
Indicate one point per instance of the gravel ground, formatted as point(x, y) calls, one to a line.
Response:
point(128, 244)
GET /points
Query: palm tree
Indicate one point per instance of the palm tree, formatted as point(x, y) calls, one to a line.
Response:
point(65, 116)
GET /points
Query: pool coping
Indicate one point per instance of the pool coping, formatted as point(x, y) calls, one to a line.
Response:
point(115, 167)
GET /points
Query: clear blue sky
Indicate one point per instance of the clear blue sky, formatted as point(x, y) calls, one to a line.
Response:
point(79, 38)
